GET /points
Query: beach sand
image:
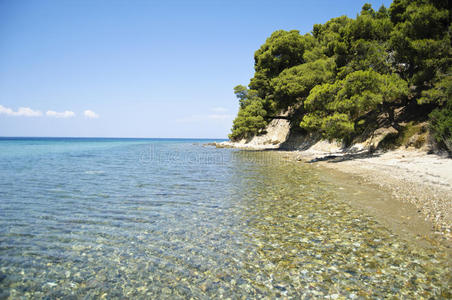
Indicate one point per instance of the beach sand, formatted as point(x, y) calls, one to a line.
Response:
point(420, 180)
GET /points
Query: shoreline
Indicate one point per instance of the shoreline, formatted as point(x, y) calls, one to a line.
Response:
point(413, 177)
point(419, 182)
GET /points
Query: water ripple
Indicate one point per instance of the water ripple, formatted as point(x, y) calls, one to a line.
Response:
point(96, 220)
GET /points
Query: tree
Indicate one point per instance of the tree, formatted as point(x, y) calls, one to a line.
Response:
point(421, 39)
point(334, 109)
point(441, 124)
point(441, 91)
point(249, 121)
point(283, 49)
point(252, 114)
point(245, 95)
point(347, 71)
point(294, 84)
point(441, 118)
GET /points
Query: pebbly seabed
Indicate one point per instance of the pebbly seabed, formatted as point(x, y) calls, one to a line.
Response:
point(173, 219)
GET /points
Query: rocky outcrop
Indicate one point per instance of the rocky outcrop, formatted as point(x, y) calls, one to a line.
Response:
point(284, 134)
point(275, 134)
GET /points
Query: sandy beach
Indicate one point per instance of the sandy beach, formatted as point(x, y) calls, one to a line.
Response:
point(414, 177)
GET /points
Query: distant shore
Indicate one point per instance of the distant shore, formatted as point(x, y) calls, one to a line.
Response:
point(411, 176)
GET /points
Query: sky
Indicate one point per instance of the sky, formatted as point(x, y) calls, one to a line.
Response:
point(163, 69)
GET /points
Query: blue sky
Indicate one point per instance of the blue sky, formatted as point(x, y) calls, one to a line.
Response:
point(137, 68)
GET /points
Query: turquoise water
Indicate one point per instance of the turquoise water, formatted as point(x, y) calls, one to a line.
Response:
point(140, 218)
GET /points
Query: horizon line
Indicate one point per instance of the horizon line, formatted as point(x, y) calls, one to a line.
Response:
point(107, 137)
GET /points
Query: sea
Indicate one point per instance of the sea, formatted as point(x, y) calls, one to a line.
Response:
point(112, 218)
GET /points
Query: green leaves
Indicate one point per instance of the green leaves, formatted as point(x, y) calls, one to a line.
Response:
point(321, 96)
point(441, 124)
point(349, 69)
point(251, 116)
point(245, 95)
point(421, 39)
point(249, 121)
point(337, 125)
point(343, 103)
point(294, 84)
point(283, 49)
point(440, 93)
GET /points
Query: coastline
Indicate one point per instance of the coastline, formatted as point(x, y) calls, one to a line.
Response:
point(418, 181)
point(412, 177)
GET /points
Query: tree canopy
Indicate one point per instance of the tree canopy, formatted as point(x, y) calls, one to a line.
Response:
point(348, 68)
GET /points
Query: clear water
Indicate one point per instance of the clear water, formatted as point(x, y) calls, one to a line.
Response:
point(141, 218)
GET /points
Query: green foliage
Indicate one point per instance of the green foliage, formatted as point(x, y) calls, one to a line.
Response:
point(321, 96)
point(365, 55)
point(331, 38)
point(260, 83)
point(407, 132)
point(368, 27)
point(283, 49)
point(245, 95)
point(337, 125)
point(347, 101)
point(421, 39)
point(402, 137)
point(440, 92)
point(441, 124)
point(294, 84)
point(249, 121)
point(349, 69)
point(251, 117)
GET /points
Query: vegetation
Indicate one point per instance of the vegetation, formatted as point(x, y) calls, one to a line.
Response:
point(347, 71)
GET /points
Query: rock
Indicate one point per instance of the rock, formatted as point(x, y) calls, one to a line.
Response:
point(379, 135)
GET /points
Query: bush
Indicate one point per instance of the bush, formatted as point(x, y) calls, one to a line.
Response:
point(249, 121)
point(441, 125)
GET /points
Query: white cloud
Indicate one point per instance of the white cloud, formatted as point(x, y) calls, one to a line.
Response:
point(64, 114)
point(22, 111)
point(90, 114)
point(219, 109)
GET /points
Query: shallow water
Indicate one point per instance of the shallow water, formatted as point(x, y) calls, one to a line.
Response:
point(172, 219)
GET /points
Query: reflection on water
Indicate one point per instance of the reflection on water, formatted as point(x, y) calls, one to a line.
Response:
point(114, 223)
